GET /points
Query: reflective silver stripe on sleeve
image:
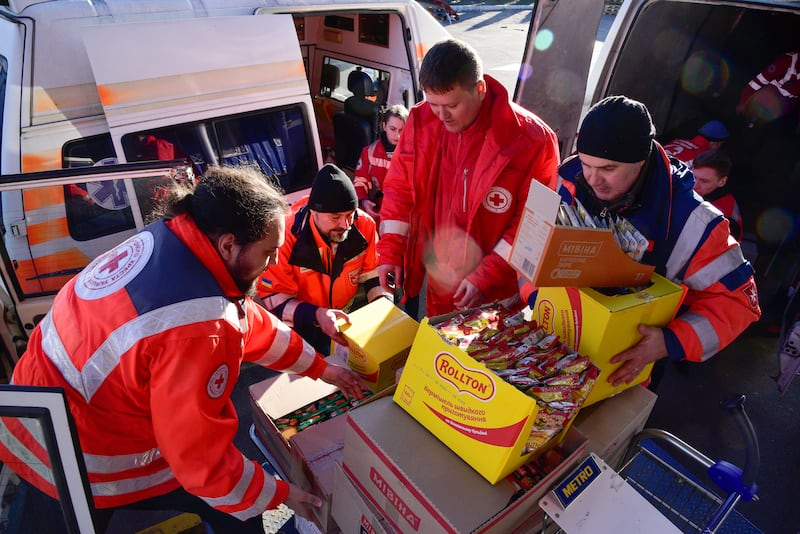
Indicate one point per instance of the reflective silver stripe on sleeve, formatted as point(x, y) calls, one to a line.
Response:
point(106, 358)
point(364, 276)
point(705, 332)
point(394, 227)
point(687, 242)
point(376, 292)
point(22, 452)
point(714, 271)
point(131, 485)
point(503, 249)
point(96, 463)
point(262, 501)
point(288, 311)
point(273, 301)
point(306, 358)
point(236, 494)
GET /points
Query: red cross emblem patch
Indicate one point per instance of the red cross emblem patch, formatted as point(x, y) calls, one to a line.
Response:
point(216, 384)
point(114, 269)
point(497, 200)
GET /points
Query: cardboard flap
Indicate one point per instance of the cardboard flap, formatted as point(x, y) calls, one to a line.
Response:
point(280, 395)
point(547, 254)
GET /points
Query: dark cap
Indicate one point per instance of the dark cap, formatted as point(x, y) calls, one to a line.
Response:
point(332, 191)
point(714, 131)
point(617, 128)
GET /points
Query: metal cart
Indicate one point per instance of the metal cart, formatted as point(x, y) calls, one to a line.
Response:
point(656, 481)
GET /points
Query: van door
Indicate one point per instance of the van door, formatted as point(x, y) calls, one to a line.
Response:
point(42, 415)
point(57, 221)
point(220, 90)
point(556, 61)
point(12, 42)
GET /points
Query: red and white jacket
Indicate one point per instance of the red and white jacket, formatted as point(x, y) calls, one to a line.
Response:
point(452, 201)
point(147, 342)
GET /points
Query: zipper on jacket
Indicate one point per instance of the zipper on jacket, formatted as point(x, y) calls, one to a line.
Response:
point(464, 196)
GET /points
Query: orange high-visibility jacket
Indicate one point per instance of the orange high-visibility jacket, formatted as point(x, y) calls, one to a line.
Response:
point(311, 274)
point(147, 341)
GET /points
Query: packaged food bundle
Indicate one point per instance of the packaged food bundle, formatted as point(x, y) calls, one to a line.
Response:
point(320, 410)
point(525, 356)
point(629, 239)
point(530, 474)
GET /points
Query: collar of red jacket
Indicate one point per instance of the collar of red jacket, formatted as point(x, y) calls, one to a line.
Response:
point(186, 230)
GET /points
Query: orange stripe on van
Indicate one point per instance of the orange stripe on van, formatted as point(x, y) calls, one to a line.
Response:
point(43, 197)
point(157, 91)
point(28, 270)
point(42, 161)
point(47, 231)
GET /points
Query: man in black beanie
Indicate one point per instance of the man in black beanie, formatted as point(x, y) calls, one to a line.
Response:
point(620, 170)
point(329, 251)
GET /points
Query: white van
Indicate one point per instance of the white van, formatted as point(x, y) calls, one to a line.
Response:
point(84, 84)
point(688, 61)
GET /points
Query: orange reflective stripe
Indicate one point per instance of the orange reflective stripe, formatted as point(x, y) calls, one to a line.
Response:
point(26, 271)
point(43, 161)
point(46, 231)
point(43, 197)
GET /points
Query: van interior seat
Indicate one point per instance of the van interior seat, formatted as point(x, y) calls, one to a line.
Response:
point(356, 126)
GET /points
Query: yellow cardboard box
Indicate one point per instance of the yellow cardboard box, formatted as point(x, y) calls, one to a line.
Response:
point(601, 325)
point(379, 337)
point(548, 254)
point(481, 417)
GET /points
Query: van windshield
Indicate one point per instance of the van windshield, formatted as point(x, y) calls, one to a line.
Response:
point(277, 141)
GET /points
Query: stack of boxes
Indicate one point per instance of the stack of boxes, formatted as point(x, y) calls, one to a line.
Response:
point(440, 452)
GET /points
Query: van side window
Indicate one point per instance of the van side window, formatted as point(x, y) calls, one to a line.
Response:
point(54, 231)
point(88, 151)
point(335, 73)
point(3, 78)
point(278, 141)
point(97, 209)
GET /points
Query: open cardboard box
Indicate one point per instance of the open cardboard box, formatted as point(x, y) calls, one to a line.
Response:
point(308, 457)
point(418, 485)
point(379, 337)
point(477, 414)
point(548, 254)
point(601, 324)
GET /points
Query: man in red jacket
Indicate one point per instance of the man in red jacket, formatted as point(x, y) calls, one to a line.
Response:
point(711, 170)
point(457, 186)
point(147, 341)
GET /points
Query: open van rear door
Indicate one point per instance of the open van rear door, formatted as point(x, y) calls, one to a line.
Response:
point(555, 65)
point(56, 222)
point(148, 72)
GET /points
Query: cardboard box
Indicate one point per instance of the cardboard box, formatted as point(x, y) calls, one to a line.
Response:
point(352, 511)
point(379, 337)
point(420, 486)
point(548, 254)
point(610, 424)
point(307, 458)
point(601, 326)
point(480, 416)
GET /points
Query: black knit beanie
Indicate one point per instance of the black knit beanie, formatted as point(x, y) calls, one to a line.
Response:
point(618, 129)
point(332, 191)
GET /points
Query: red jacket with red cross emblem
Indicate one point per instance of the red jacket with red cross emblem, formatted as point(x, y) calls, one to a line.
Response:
point(311, 273)
point(147, 342)
point(452, 201)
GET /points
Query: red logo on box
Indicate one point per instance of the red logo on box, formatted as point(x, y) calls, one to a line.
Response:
point(472, 381)
point(546, 311)
point(393, 498)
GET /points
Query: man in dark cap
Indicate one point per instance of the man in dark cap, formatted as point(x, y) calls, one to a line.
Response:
point(329, 251)
point(620, 170)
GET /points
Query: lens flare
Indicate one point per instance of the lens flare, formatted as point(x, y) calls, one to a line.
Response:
point(544, 39)
point(774, 224)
